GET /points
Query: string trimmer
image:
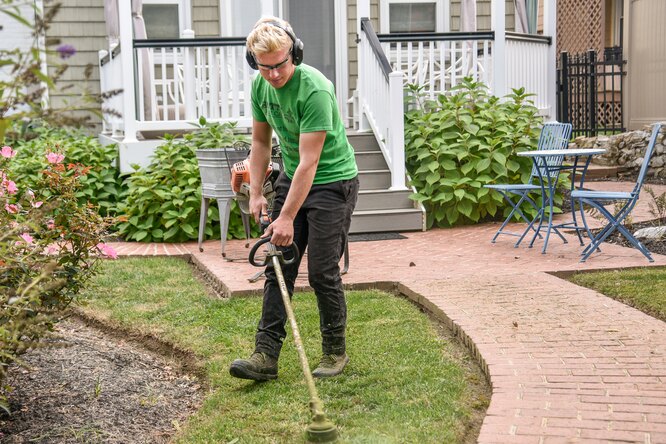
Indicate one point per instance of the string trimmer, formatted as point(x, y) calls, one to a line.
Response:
point(320, 428)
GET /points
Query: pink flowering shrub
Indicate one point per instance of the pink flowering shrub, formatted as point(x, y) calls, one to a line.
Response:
point(50, 245)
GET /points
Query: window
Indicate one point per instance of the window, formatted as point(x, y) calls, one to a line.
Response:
point(237, 17)
point(414, 16)
point(613, 23)
point(162, 18)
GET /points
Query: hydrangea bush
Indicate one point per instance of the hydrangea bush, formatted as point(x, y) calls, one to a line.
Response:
point(464, 140)
point(102, 185)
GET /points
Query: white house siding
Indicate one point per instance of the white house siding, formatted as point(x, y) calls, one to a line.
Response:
point(206, 18)
point(79, 23)
point(15, 34)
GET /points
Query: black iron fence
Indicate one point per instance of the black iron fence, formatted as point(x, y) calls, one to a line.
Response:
point(589, 91)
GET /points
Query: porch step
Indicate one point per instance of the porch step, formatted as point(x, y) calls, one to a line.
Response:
point(373, 221)
point(369, 200)
point(375, 179)
point(370, 160)
point(378, 208)
point(362, 141)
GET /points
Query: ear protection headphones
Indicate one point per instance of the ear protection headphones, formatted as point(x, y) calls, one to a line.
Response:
point(296, 48)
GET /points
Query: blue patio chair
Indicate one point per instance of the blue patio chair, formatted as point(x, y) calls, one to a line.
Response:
point(554, 136)
point(597, 200)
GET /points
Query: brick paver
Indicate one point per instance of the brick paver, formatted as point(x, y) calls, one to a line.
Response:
point(566, 364)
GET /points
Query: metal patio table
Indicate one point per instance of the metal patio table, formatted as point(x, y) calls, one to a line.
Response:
point(548, 184)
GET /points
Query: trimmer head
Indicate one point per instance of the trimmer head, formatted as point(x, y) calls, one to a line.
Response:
point(321, 430)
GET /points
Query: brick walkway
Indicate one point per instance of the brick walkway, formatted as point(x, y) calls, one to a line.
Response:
point(566, 364)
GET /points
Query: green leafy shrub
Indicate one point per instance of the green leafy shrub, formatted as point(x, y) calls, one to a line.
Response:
point(462, 141)
point(102, 186)
point(49, 247)
point(163, 201)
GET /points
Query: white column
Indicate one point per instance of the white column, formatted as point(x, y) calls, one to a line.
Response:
point(43, 66)
point(127, 58)
point(102, 86)
point(550, 29)
point(189, 78)
point(362, 10)
point(498, 24)
point(396, 134)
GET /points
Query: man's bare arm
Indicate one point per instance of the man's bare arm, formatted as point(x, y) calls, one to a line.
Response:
point(260, 155)
point(310, 148)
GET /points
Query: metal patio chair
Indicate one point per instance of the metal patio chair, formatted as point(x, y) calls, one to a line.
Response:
point(597, 200)
point(554, 136)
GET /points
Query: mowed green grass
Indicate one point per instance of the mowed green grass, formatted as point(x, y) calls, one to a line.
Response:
point(404, 382)
point(642, 288)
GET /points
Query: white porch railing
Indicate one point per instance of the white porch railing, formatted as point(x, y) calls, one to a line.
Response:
point(437, 62)
point(381, 103)
point(526, 61)
point(173, 83)
point(184, 79)
point(440, 61)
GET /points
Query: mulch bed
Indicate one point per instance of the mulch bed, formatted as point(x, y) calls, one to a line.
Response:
point(93, 387)
point(655, 246)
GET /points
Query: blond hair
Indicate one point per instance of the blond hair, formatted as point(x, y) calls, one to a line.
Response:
point(266, 37)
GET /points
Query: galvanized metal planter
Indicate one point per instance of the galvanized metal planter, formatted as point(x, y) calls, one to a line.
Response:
point(215, 170)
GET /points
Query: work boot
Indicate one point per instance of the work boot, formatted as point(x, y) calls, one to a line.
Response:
point(331, 365)
point(260, 367)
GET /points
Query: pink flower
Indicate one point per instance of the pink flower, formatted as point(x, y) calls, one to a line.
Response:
point(55, 157)
point(7, 152)
point(27, 238)
point(11, 208)
point(107, 250)
point(11, 187)
point(50, 224)
point(37, 204)
point(51, 249)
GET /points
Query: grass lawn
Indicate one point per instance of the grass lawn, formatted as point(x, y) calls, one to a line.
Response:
point(642, 288)
point(405, 382)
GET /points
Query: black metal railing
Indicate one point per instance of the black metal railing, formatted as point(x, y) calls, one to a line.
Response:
point(366, 26)
point(589, 92)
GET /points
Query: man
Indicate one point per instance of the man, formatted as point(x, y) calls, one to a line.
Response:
point(316, 192)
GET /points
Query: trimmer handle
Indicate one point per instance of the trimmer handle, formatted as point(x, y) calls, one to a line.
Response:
point(272, 251)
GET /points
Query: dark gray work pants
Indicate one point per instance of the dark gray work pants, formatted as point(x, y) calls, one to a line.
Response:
point(321, 225)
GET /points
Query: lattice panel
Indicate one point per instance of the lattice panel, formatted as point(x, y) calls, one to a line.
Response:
point(580, 25)
point(609, 114)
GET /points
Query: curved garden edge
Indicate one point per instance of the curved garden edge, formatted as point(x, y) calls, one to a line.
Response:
point(183, 361)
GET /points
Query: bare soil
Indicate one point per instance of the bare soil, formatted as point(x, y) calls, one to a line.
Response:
point(94, 386)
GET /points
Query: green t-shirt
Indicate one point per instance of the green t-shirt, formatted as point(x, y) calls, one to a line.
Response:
point(305, 104)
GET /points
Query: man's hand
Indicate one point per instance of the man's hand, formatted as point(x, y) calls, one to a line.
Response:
point(281, 231)
point(258, 207)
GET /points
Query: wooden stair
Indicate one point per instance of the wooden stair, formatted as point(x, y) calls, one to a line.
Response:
point(379, 208)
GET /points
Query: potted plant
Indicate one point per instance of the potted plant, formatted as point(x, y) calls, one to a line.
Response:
point(217, 150)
